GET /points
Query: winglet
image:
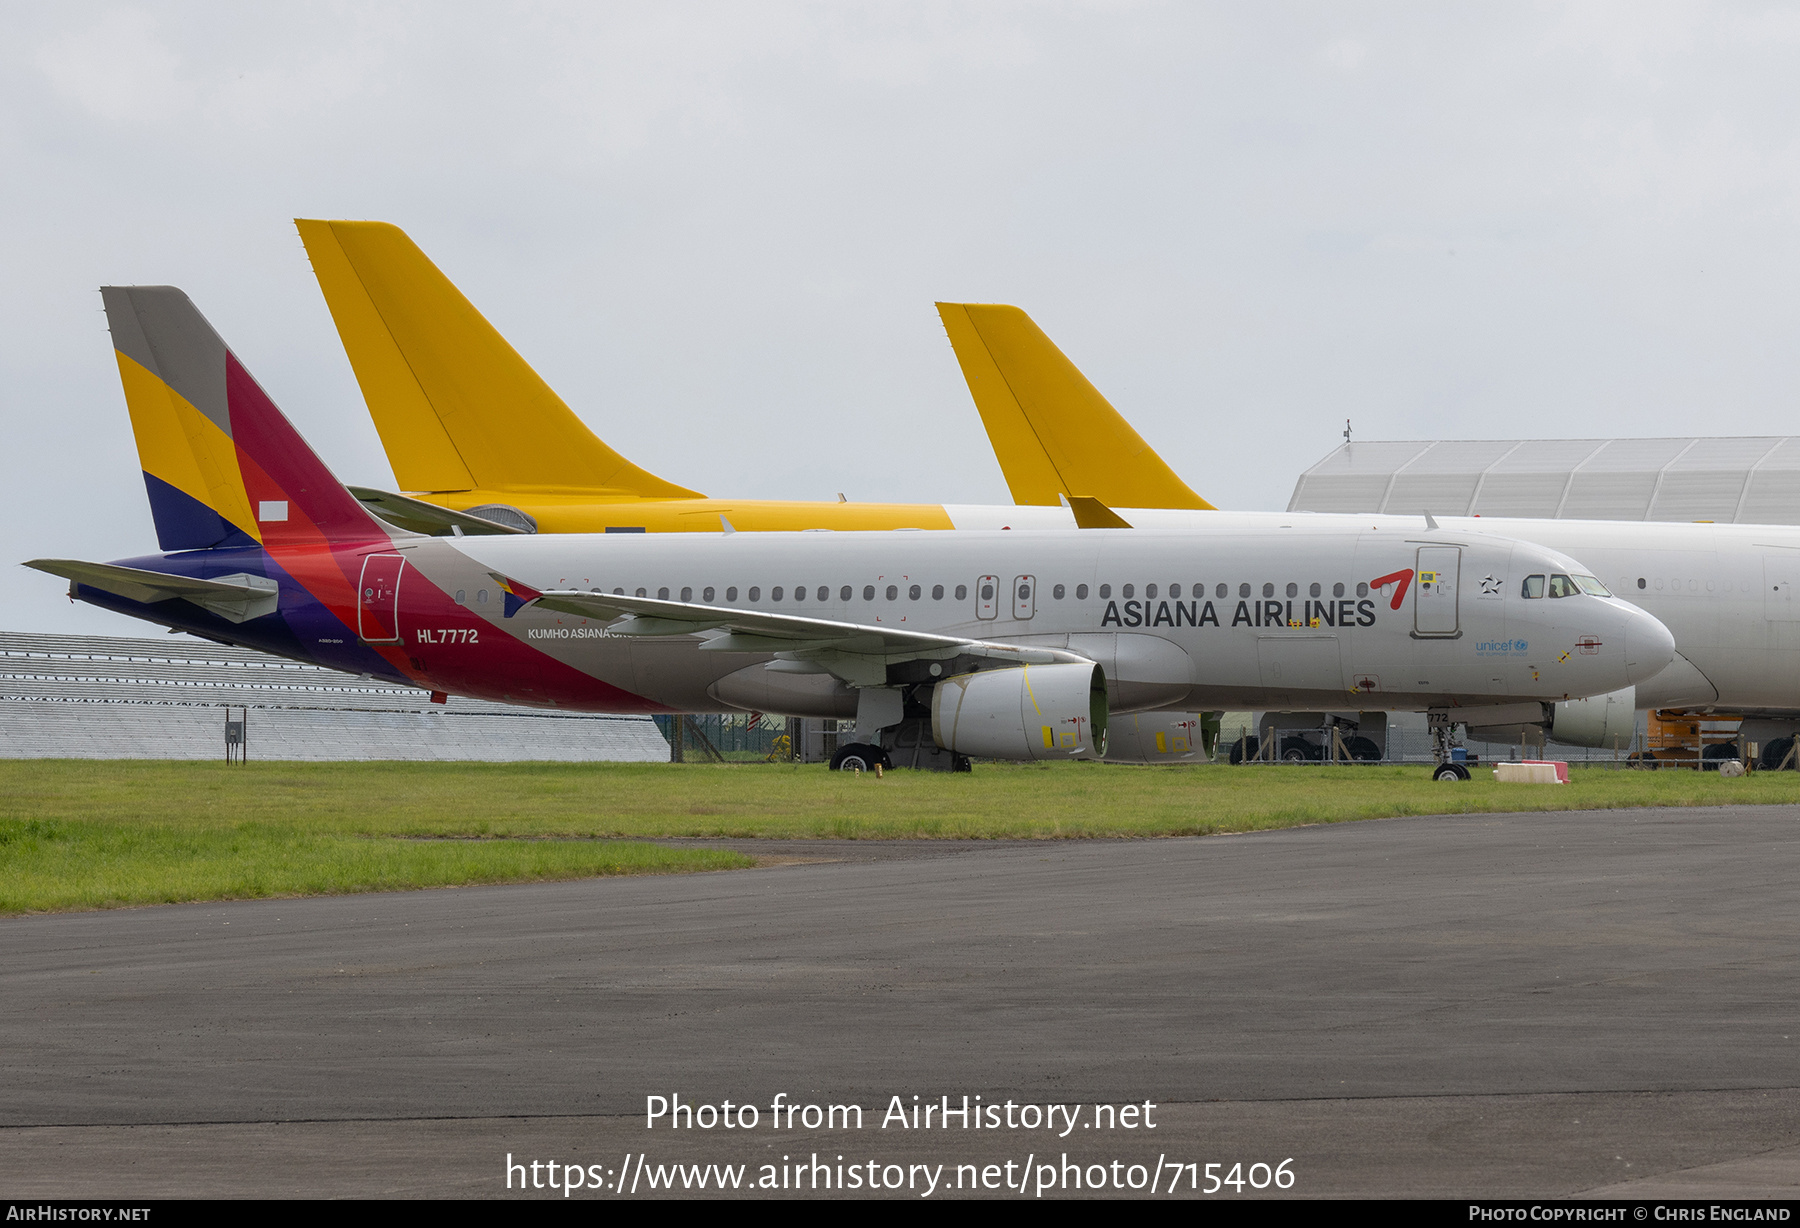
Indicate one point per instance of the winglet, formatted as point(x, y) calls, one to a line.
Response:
point(1051, 429)
point(517, 595)
point(1092, 514)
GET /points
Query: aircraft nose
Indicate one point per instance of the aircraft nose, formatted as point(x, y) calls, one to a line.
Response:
point(1649, 647)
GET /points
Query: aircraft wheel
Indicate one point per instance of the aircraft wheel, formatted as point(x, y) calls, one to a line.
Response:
point(1450, 771)
point(1714, 755)
point(859, 757)
point(1773, 752)
point(1245, 748)
point(1363, 750)
point(1643, 760)
point(1299, 750)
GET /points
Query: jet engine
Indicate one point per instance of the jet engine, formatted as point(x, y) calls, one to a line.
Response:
point(1028, 712)
point(1600, 720)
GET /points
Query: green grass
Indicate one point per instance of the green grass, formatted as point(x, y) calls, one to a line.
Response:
point(85, 834)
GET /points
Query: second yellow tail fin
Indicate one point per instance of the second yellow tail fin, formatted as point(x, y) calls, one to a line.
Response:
point(1052, 431)
point(456, 406)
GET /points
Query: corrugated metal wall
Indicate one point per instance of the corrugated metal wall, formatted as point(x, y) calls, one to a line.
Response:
point(105, 697)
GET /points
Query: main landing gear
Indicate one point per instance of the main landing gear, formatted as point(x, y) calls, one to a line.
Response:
point(860, 757)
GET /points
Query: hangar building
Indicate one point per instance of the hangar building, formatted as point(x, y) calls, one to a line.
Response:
point(1746, 480)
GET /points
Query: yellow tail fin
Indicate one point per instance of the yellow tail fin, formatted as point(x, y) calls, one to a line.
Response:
point(456, 406)
point(1052, 431)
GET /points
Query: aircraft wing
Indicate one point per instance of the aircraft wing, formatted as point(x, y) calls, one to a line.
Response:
point(855, 652)
point(237, 598)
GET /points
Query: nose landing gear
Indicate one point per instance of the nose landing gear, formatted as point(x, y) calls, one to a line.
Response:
point(1450, 766)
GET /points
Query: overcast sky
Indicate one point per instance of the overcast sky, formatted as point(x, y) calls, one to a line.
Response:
point(719, 229)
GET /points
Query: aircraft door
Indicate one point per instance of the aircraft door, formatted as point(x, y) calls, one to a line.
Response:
point(1434, 598)
point(1024, 596)
point(378, 599)
point(987, 597)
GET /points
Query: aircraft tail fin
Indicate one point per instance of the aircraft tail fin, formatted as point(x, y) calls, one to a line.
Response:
point(223, 466)
point(1052, 431)
point(456, 406)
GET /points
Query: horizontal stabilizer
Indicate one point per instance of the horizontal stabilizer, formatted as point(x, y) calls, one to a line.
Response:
point(417, 516)
point(236, 598)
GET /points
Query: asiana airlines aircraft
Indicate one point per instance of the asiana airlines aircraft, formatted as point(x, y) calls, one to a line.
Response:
point(991, 643)
point(1731, 605)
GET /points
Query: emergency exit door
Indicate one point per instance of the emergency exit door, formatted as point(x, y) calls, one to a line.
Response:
point(987, 597)
point(378, 599)
point(1434, 591)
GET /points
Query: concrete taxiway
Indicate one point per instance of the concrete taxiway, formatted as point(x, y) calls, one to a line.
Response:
point(1499, 1005)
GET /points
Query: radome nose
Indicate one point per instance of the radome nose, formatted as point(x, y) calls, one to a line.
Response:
point(1649, 648)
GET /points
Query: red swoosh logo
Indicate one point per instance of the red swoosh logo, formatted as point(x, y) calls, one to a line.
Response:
point(1402, 580)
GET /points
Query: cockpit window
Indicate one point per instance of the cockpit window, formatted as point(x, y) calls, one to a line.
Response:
point(1562, 586)
point(1592, 586)
point(1534, 586)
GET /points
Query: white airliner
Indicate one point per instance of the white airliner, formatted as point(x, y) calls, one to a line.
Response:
point(1003, 644)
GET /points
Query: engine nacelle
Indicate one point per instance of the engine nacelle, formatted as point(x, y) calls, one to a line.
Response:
point(1600, 720)
point(1028, 712)
point(1161, 737)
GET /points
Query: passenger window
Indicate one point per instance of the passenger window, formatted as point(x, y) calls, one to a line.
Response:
point(868, 592)
point(893, 592)
point(1128, 591)
point(1081, 592)
point(1534, 587)
point(662, 594)
point(687, 594)
point(1057, 592)
point(1105, 591)
point(1149, 591)
point(937, 592)
point(1314, 590)
point(481, 596)
point(962, 592)
point(1337, 590)
point(914, 593)
point(706, 594)
point(1223, 589)
point(1268, 589)
point(1562, 586)
point(731, 593)
point(642, 593)
point(461, 597)
point(755, 593)
point(824, 593)
point(845, 592)
point(1175, 591)
point(1293, 590)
